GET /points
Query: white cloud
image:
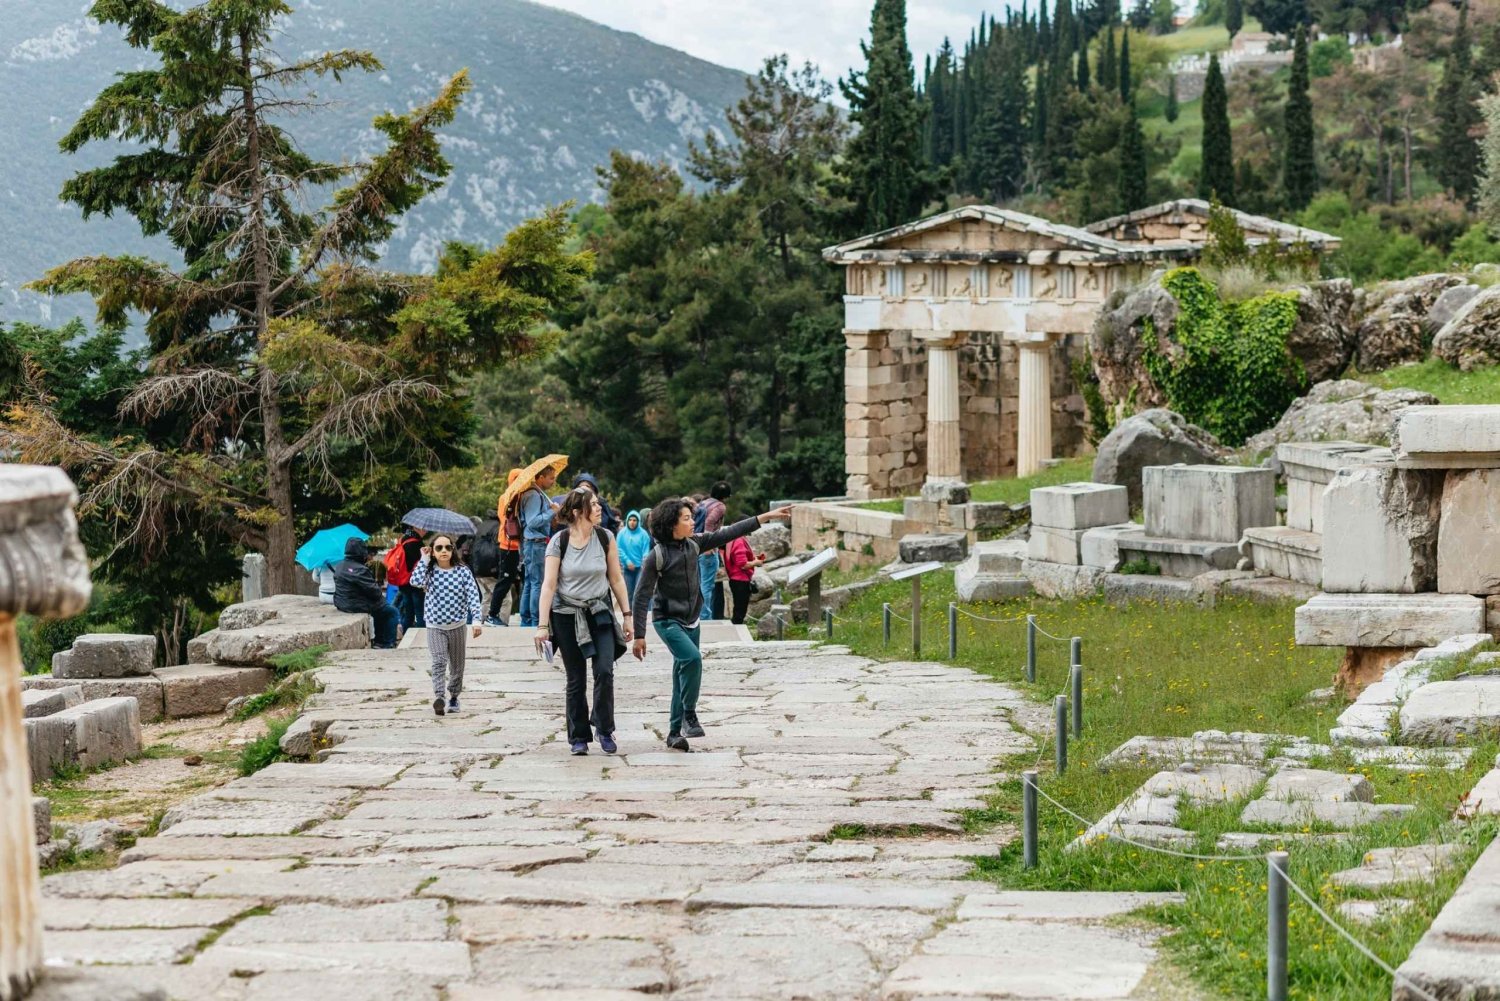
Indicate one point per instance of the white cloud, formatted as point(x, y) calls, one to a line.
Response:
point(826, 33)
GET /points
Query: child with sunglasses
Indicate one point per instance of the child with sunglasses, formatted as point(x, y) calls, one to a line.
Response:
point(452, 603)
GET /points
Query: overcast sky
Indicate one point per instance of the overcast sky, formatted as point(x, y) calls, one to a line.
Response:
point(740, 34)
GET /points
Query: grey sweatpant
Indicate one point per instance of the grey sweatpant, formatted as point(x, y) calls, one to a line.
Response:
point(447, 644)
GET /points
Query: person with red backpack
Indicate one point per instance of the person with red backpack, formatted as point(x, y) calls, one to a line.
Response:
point(400, 560)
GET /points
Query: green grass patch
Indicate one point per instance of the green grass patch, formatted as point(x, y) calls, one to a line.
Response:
point(279, 696)
point(1169, 670)
point(299, 660)
point(891, 505)
point(266, 749)
point(1442, 380)
point(1017, 490)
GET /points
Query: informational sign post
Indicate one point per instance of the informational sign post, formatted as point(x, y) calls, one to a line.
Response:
point(812, 572)
point(916, 572)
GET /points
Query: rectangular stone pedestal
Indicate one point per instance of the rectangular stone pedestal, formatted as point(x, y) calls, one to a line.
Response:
point(1080, 505)
point(1209, 503)
point(1285, 552)
point(1309, 466)
point(1380, 531)
point(1387, 620)
point(1178, 557)
point(1454, 437)
point(1056, 545)
point(1468, 546)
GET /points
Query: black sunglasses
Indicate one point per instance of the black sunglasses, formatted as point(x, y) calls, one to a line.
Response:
point(442, 549)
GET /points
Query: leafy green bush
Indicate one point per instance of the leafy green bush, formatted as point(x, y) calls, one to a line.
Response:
point(1328, 54)
point(1141, 567)
point(1233, 374)
point(265, 750)
point(1476, 246)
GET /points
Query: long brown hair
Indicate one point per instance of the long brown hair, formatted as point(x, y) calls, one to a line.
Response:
point(580, 501)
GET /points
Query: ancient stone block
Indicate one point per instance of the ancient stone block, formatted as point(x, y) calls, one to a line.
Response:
point(146, 691)
point(999, 556)
point(1060, 580)
point(1177, 557)
point(1456, 958)
point(1310, 466)
point(41, 818)
point(1080, 505)
point(1468, 549)
point(1387, 620)
point(1286, 552)
point(252, 632)
point(1056, 545)
point(1380, 531)
point(1448, 712)
point(1318, 786)
point(104, 731)
point(1209, 503)
point(204, 690)
point(1451, 437)
point(44, 702)
point(945, 548)
point(1122, 589)
point(1100, 547)
point(107, 655)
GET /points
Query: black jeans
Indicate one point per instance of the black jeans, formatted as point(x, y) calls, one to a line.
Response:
point(508, 578)
point(576, 664)
point(740, 589)
point(412, 601)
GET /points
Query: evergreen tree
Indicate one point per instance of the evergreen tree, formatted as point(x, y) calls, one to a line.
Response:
point(999, 160)
point(1083, 69)
point(884, 175)
point(1134, 170)
point(941, 94)
point(1127, 91)
point(1108, 69)
point(1234, 16)
point(1487, 62)
point(1216, 175)
point(1299, 176)
point(1171, 109)
point(1455, 157)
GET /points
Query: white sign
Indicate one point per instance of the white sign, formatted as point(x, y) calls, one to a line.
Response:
point(916, 570)
point(816, 565)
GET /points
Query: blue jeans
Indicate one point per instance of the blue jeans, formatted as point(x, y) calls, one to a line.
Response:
point(386, 617)
point(708, 569)
point(687, 668)
point(534, 557)
point(632, 578)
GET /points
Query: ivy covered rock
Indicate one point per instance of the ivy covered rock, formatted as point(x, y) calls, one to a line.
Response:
point(1156, 437)
point(1471, 339)
point(1341, 410)
point(1117, 343)
point(1391, 317)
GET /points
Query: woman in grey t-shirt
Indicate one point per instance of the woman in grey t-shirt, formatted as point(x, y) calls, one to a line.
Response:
point(582, 574)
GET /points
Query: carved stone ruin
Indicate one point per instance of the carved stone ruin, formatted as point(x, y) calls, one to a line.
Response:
point(43, 571)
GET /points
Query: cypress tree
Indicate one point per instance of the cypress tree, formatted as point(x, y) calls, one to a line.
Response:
point(1039, 111)
point(1234, 17)
point(1126, 89)
point(1299, 175)
point(1171, 110)
point(1216, 175)
point(1000, 130)
point(884, 174)
point(1108, 71)
point(1083, 69)
point(1134, 169)
point(1456, 156)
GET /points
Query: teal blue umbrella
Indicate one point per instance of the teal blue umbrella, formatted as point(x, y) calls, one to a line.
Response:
point(328, 546)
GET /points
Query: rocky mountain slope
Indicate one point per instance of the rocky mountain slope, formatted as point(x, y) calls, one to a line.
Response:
point(553, 94)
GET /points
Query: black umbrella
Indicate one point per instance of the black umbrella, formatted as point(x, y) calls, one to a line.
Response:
point(438, 519)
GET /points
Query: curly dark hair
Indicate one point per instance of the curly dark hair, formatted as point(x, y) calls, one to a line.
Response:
point(663, 517)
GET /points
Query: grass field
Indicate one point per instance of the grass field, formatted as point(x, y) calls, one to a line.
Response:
point(1172, 670)
point(1442, 380)
point(1016, 490)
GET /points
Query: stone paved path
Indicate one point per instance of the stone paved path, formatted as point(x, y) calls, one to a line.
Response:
point(471, 857)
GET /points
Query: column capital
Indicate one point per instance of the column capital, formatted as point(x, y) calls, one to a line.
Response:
point(1031, 339)
point(43, 568)
point(865, 340)
point(940, 338)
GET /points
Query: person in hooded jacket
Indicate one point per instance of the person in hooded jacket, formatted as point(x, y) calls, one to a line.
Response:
point(355, 590)
point(669, 573)
point(611, 522)
point(634, 541)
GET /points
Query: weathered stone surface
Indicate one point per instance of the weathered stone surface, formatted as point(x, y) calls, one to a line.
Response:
point(1459, 956)
point(1448, 712)
point(1288, 553)
point(1177, 557)
point(1271, 590)
point(1079, 505)
point(1208, 503)
point(1118, 343)
point(107, 655)
point(1123, 589)
point(1315, 785)
point(197, 648)
point(205, 689)
point(1380, 529)
point(126, 946)
point(1468, 548)
point(1297, 813)
point(1100, 547)
point(1452, 437)
point(1323, 338)
point(774, 539)
point(1470, 338)
point(41, 819)
point(973, 584)
point(82, 914)
point(1342, 410)
point(1055, 545)
point(1205, 783)
point(1446, 306)
point(1150, 438)
point(575, 968)
point(1390, 317)
point(944, 548)
point(1309, 466)
point(1365, 912)
point(1384, 867)
point(770, 966)
point(44, 702)
point(252, 632)
point(1057, 580)
point(146, 691)
point(864, 894)
point(95, 733)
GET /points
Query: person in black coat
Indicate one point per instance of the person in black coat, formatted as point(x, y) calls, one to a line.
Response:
point(355, 590)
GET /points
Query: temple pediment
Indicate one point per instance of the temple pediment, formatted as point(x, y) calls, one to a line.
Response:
point(1183, 222)
point(978, 234)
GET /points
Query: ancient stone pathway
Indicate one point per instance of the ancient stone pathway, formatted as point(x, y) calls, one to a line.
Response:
point(471, 857)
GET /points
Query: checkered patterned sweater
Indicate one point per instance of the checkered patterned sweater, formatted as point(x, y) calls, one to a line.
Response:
point(452, 595)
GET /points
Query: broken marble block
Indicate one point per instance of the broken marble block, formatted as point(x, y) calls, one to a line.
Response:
point(106, 655)
point(1056, 545)
point(252, 632)
point(1309, 466)
point(1450, 712)
point(1207, 503)
point(1448, 437)
point(1468, 545)
point(949, 547)
point(1100, 547)
point(1380, 531)
point(1382, 867)
point(1386, 620)
point(1285, 552)
point(1079, 505)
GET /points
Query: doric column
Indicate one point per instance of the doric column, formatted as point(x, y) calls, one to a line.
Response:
point(43, 571)
point(1034, 424)
point(944, 461)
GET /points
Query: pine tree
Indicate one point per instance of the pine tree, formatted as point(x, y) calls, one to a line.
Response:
point(999, 160)
point(1456, 155)
point(883, 172)
point(1127, 91)
point(1299, 175)
point(1487, 62)
point(1134, 170)
point(1171, 109)
point(941, 95)
point(1234, 17)
point(1108, 70)
point(1083, 69)
point(1216, 175)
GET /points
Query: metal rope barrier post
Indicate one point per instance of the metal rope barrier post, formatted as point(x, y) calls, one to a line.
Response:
point(828, 623)
point(1075, 679)
point(1060, 708)
point(1075, 650)
point(1276, 928)
point(952, 631)
point(1028, 819)
point(885, 621)
point(780, 627)
point(1031, 648)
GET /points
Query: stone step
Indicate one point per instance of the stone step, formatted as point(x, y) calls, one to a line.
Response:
point(1178, 557)
point(1459, 956)
point(106, 655)
point(1484, 798)
point(205, 689)
point(1279, 813)
point(101, 732)
point(1000, 557)
point(1387, 620)
point(1450, 712)
point(146, 691)
point(252, 632)
point(44, 702)
point(1384, 867)
point(1288, 553)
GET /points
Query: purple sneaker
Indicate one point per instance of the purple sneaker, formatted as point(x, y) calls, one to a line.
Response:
point(607, 743)
point(579, 747)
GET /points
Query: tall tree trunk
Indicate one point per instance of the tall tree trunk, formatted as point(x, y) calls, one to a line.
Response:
point(1406, 166)
point(281, 540)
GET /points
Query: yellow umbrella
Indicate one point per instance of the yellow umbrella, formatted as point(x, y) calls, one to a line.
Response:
point(528, 476)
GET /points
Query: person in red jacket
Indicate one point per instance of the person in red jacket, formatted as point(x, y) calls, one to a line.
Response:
point(739, 564)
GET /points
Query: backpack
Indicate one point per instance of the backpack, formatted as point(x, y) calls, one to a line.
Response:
point(396, 570)
point(486, 551)
point(512, 526)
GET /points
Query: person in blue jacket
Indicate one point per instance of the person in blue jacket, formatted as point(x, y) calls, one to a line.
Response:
point(536, 511)
point(633, 541)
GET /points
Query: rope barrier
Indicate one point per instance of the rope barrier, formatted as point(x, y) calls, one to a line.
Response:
point(1060, 639)
point(985, 618)
point(897, 615)
point(1150, 848)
